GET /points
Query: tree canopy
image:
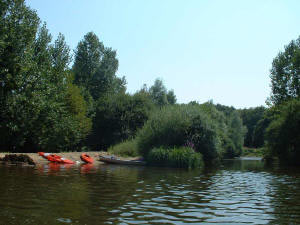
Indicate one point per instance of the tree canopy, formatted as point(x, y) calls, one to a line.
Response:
point(285, 74)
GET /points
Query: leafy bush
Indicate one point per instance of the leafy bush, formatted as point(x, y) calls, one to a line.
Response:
point(126, 148)
point(201, 125)
point(183, 157)
point(166, 127)
point(203, 134)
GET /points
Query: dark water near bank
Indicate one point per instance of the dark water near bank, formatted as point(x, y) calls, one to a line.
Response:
point(239, 192)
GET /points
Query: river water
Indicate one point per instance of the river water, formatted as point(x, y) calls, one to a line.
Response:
point(239, 192)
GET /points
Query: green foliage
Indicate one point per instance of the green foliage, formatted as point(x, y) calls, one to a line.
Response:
point(285, 74)
point(202, 126)
point(171, 97)
point(251, 118)
point(87, 59)
point(166, 127)
point(77, 108)
point(95, 68)
point(203, 134)
point(283, 133)
point(183, 157)
point(258, 139)
point(158, 94)
point(230, 129)
point(35, 108)
point(237, 132)
point(252, 152)
point(118, 117)
point(127, 148)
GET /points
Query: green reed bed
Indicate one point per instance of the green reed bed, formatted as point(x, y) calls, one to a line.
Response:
point(182, 157)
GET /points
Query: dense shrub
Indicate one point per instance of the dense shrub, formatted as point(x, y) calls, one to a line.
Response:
point(183, 157)
point(203, 134)
point(166, 127)
point(126, 148)
point(207, 129)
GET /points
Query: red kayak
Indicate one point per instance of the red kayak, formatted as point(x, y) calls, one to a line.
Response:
point(44, 155)
point(54, 158)
point(67, 161)
point(86, 158)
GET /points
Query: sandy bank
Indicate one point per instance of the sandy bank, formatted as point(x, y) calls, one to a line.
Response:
point(74, 156)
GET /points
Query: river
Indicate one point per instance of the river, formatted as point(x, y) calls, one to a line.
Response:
point(238, 192)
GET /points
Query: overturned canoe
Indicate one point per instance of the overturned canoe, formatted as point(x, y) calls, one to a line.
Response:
point(114, 160)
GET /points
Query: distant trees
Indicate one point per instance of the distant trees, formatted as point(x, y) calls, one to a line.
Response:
point(251, 118)
point(159, 94)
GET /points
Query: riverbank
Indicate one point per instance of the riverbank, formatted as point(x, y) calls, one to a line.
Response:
point(74, 156)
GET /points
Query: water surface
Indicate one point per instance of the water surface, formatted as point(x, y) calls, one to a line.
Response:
point(239, 192)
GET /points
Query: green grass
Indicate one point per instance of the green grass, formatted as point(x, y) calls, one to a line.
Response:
point(180, 157)
point(253, 152)
point(126, 149)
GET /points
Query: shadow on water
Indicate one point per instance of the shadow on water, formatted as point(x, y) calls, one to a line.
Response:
point(240, 191)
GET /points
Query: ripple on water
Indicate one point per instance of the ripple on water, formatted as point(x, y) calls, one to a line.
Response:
point(128, 195)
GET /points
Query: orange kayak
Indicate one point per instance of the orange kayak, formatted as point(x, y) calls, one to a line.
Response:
point(86, 158)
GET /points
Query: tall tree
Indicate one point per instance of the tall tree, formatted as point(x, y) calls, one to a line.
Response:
point(159, 94)
point(285, 74)
point(251, 117)
point(88, 55)
point(171, 97)
point(34, 110)
point(95, 68)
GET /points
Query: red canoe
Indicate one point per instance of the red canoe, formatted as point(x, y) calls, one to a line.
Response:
point(86, 158)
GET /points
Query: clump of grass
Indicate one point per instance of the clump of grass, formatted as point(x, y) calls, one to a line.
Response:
point(127, 148)
point(180, 157)
point(255, 152)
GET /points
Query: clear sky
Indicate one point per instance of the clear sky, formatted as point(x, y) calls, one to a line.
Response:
point(202, 49)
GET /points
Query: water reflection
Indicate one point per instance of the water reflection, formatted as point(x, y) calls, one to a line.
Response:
point(237, 193)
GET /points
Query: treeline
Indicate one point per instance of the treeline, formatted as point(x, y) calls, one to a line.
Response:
point(48, 105)
point(277, 128)
point(187, 135)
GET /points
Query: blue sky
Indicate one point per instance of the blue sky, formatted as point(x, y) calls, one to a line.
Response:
point(202, 49)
